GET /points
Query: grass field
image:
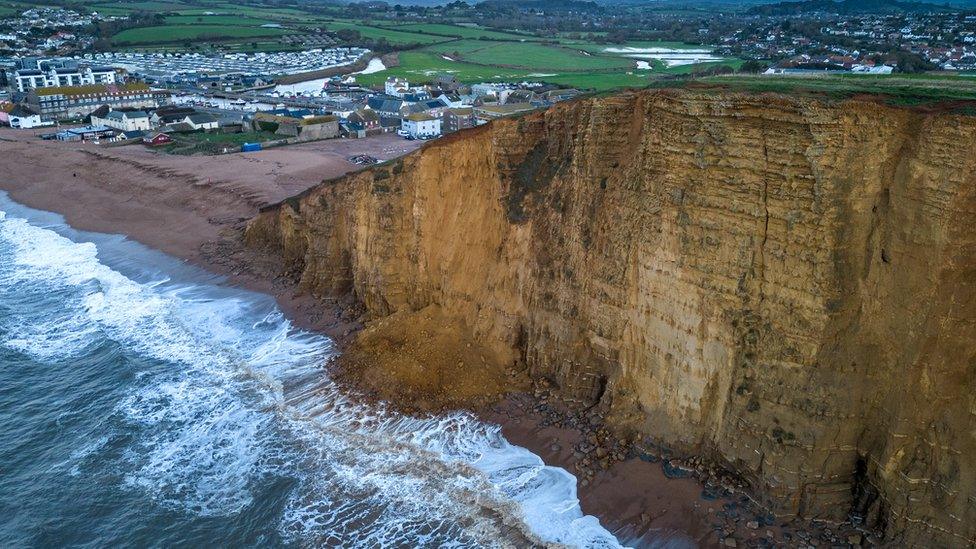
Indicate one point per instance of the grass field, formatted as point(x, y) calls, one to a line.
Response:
point(391, 36)
point(530, 56)
point(538, 57)
point(421, 66)
point(177, 33)
point(904, 90)
point(459, 47)
point(231, 20)
point(123, 8)
point(281, 14)
point(462, 32)
point(598, 48)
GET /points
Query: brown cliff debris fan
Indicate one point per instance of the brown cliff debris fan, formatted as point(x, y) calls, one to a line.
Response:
point(786, 286)
point(423, 361)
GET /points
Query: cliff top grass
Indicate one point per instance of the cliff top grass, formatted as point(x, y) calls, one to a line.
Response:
point(948, 92)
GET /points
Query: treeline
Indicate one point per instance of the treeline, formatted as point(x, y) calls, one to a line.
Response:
point(848, 7)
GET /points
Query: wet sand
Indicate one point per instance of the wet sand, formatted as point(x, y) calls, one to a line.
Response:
point(195, 208)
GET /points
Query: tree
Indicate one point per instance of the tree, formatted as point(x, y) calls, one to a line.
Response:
point(348, 35)
point(753, 66)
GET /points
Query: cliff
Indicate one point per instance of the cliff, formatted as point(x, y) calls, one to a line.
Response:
point(785, 285)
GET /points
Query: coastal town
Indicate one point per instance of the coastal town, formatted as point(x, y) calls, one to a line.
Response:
point(189, 103)
point(488, 273)
point(68, 100)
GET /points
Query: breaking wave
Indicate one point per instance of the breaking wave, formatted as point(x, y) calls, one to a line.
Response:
point(218, 405)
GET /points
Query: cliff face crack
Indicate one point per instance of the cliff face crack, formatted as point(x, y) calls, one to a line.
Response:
point(765, 228)
point(781, 351)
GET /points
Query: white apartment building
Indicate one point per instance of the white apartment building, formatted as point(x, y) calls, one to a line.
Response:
point(421, 126)
point(30, 79)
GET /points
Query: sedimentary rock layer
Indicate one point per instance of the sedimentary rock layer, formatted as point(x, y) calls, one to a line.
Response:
point(782, 284)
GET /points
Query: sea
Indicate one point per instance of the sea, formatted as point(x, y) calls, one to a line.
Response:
point(146, 403)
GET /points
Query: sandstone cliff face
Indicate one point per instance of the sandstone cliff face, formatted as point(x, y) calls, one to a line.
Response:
point(783, 284)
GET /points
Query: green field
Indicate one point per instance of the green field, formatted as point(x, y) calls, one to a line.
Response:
point(459, 48)
point(538, 57)
point(122, 8)
point(462, 32)
point(421, 66)
point(391, 36)
point(271, 13)
point(896, 89)
point(231, 20)
point(177, 33)
point(598, 48)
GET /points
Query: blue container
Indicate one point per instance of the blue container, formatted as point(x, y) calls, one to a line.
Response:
point(250, 147)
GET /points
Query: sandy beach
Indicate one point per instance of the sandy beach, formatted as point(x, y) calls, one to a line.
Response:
point(191, 207)
point(194, 208)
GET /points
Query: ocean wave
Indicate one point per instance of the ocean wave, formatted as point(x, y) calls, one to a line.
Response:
point(242, 398)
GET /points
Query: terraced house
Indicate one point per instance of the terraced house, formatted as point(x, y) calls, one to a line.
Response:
point(69, 102)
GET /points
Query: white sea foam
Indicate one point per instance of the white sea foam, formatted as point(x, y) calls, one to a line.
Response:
point(244, 398)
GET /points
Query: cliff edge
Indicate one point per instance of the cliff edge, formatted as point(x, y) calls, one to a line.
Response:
point(785, 285)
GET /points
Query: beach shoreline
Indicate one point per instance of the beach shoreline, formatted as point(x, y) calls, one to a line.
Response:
point(196, 208)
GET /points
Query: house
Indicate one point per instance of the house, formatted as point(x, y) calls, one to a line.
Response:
point(131, 135)
point(23, 118)
point(396, 86)
point(517, 96)
point(433, 107)
point(386, 106)
point(489, 88)
point(390, 124)
point(447, 82)
point(341, 107)
point(125, 121)
point(422, 126)
point(458, 119)
point(362, 123)
point(156, 139)
point(201, 121)
point(177, 127)
point(59, 103)
point(416, 96)
point(169, 114)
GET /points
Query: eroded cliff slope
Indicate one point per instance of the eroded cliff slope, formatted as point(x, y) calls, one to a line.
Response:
point(786, 285)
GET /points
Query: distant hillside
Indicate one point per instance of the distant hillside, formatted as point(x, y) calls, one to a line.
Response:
point(851, 7)
point(541, 5)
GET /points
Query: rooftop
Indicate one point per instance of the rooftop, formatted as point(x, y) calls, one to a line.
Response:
point(93, 89)
point(119, 115)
